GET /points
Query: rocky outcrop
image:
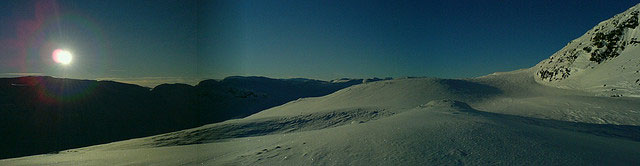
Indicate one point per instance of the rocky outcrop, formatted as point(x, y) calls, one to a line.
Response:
point(605, 41)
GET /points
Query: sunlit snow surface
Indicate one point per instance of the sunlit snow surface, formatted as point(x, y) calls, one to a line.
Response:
point(504, 118)
point(510, 118)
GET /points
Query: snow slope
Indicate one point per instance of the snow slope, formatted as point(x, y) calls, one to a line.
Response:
point(514, 93)
point(40, 114)
point(511, 118)
point(606, 59)
point(504, 119)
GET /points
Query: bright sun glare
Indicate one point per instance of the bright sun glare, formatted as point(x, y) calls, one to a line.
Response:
point(61, 56)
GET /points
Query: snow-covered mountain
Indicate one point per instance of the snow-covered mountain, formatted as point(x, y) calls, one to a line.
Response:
point(510, 118)
point(606, 59)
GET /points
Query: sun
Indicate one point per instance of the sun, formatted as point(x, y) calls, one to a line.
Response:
point(63, 57)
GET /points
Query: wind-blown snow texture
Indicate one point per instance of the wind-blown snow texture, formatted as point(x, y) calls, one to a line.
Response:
point(510, 118)
point(45, 114)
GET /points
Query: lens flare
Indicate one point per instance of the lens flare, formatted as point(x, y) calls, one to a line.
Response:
point(61, 56)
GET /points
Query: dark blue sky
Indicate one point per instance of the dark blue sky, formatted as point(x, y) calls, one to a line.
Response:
point(183, 41)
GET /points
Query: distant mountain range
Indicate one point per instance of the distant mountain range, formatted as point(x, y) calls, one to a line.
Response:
point(41, 114)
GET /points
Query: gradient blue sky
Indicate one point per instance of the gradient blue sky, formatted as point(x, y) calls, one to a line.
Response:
point(186, 41)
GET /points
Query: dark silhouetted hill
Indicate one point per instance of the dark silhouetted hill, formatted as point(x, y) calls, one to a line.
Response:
point(45, 114)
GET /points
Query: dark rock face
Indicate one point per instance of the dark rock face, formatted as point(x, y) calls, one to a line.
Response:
point(611, 41)
point(45, 114)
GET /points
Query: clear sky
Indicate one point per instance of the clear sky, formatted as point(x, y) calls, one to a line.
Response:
point(148, 42)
